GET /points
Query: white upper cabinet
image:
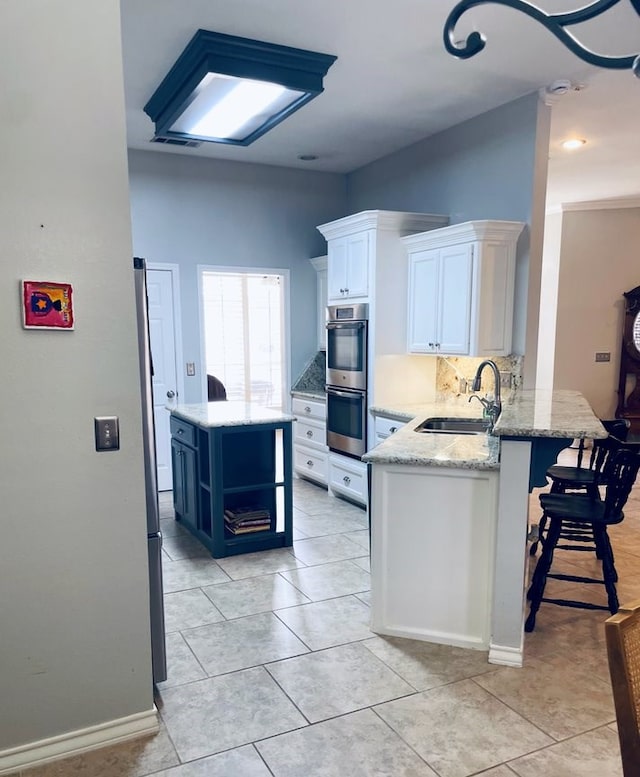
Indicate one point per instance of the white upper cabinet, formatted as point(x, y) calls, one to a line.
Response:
point(348, 268)
point(320, 265)
point(364, 248)
point(440, 300)
point(461, 288)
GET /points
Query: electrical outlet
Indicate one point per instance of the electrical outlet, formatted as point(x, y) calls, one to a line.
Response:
point(603, 356)
point(505, 379)
point(462, 385)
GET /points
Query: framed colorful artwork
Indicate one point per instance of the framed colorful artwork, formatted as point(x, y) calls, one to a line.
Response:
point(47, 305)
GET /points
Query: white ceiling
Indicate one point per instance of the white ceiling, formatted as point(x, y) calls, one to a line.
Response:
point(393, 83)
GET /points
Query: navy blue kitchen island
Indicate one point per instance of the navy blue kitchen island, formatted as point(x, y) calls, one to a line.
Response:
point(232, 473)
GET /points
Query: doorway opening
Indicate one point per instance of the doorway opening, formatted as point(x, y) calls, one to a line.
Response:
point(244, 332)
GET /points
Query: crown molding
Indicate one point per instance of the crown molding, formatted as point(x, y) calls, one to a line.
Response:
point(467, 232)
point(396, 221)
point(612, 204)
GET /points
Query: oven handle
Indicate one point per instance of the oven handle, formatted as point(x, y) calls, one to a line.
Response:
point(346, 394)
point(349, 325)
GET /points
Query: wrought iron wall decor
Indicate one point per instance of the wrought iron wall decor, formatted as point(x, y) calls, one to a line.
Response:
point(554, 22)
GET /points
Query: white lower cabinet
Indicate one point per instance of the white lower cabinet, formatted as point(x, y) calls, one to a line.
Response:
point(310, 452)
point(384, 427)
point(311, 464)
point(348, 477)
point(433, 537)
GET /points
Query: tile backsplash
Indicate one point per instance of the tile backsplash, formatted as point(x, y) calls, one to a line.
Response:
point(453, 372)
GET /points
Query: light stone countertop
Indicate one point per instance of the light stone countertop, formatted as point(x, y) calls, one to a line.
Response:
point(466, 451)
point(546, 413)
point(233, 413)
point(532, 413)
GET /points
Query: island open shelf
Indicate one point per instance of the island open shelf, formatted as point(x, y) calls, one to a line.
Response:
point(233, 458)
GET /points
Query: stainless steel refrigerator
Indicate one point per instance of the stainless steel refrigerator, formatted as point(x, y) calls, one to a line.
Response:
point(154, 536)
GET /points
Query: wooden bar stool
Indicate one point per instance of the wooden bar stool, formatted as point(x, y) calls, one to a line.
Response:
point(563, 512)
point(585, 479)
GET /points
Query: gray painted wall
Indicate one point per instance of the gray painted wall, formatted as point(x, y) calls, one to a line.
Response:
point(480, 169)
point(74, 623)
point(484, 168)
point(197, 211)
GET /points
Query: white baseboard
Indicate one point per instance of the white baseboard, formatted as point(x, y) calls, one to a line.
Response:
point(425, 635)
point(80, 741)
point(505, 656)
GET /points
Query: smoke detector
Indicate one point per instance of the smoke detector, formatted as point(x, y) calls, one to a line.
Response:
point(562, 86)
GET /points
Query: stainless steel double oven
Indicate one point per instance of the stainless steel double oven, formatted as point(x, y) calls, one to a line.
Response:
point(347, 378)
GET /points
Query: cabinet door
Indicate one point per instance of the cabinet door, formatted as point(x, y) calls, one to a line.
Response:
point(184, 482)
point(348, 267)
point(423, 301)
point(454, 303)
point(337, 268)
point(358, 265)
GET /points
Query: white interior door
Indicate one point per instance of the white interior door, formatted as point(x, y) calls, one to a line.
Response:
point(160, 294)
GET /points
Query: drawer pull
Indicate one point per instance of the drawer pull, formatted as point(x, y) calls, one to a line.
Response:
point(309, 463)
point(309, 433)
point(346, 480)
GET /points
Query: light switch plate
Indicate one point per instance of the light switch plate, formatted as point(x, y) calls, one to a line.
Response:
point(603, 356)
point(191, 369)
point(107, 433)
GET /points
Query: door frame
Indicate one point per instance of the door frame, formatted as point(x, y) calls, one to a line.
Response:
point(286, 324)
point(174, 269)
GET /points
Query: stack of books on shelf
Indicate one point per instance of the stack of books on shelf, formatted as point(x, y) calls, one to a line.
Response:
point(245, 520)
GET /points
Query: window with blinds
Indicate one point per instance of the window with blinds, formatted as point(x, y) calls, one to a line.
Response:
point(244, 334)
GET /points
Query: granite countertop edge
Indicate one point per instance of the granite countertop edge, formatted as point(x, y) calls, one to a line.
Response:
point(210, 415)
point(310, 394)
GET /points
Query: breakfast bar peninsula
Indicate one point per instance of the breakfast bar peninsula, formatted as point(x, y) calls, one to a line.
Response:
point(449, 519)
point(232, 471)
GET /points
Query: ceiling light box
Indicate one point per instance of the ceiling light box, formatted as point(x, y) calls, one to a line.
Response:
point(225, 89)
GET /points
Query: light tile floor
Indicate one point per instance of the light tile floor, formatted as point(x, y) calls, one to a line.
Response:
point(273, 672)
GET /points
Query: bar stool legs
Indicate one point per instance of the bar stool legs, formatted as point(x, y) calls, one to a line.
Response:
point(542, 572)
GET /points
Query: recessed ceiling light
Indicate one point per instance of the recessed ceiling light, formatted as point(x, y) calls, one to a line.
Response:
point(573, 143)
point(307, 157)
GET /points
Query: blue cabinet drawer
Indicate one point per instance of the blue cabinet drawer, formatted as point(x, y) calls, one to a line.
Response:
point(183, 431)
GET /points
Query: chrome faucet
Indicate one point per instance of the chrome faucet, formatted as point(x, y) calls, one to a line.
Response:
point(492, 407)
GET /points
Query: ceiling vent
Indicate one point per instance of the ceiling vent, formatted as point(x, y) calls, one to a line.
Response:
point(177, 142)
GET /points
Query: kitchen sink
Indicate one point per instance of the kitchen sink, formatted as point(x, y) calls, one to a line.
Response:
point(454, 426)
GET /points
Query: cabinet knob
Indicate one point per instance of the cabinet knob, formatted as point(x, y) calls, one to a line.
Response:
point(180, 431)
point(341, 291)
point(346, 480)
point(430, 345)
point(309, 463)
point(170, 394)
point(346, 291)
point(393, 429)
point(309, 433)
point(307, 409)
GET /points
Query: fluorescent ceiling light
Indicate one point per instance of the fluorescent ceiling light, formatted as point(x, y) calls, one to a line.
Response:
point(228, 107)
point(226, 89)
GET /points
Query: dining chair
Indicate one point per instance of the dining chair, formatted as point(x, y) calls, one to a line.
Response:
point(215, 389)
point(622, 632)
point(563, 512)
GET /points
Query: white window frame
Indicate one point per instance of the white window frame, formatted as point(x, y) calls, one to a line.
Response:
point(286, 340)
